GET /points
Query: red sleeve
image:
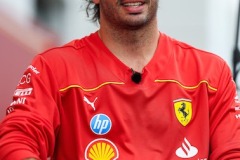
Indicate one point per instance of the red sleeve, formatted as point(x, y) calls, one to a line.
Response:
point(32, 118)
point(225, 120)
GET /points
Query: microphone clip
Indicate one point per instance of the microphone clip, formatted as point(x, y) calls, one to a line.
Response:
point(136, 76)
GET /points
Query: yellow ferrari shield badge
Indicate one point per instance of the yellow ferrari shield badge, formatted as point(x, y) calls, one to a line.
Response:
point(183, 110)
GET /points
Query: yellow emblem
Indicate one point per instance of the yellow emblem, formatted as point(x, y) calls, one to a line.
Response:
point(183, 110)
point(101, 149)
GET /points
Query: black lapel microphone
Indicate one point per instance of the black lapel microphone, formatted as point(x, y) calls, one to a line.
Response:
point(136, 76)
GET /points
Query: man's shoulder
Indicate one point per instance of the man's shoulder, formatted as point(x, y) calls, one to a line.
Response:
point(69, 49)
point(186, 50)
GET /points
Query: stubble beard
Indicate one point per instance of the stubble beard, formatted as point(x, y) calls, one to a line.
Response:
point(130, 22)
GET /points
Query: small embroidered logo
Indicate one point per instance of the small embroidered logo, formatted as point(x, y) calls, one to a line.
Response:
point(90, 103)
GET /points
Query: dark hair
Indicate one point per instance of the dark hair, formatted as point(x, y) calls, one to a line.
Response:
point(93, 11)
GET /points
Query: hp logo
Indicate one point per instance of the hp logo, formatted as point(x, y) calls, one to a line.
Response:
point(100, 124)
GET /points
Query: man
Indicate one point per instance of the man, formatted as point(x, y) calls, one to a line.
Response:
point(125, 92)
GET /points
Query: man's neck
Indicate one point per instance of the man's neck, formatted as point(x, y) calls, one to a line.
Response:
point(135, 48)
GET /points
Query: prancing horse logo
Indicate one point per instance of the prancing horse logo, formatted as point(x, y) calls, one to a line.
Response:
point(183, 110)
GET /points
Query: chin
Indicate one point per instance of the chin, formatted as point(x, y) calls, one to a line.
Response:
point(136, 23)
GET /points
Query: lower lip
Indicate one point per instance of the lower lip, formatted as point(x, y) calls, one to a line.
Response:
point(134, 9)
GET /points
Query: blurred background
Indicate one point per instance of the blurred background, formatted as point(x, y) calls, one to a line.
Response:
point(28, 27)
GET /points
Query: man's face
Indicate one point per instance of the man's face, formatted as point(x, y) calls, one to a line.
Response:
point(129, 14)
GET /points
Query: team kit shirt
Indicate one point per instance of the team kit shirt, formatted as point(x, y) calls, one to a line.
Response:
point(78, 102)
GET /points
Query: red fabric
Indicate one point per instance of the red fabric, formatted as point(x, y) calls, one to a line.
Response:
point(69, 92)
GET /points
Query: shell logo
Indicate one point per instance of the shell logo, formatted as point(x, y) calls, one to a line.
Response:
point(101, 149)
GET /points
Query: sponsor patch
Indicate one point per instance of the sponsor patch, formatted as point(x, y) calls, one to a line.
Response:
point(18, 101)
point(34, 69)
point(26, 79)
point(9, 110)
point(186, 150)
point(237, 106)
point(23, 92)
point(101, 149)
point(100, 124)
